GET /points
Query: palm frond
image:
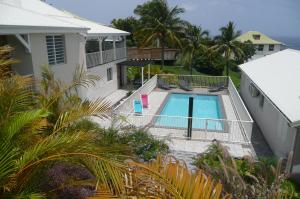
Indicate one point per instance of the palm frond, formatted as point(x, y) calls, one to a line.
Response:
point(8, 155)
point(170, 177)
point(19, 121)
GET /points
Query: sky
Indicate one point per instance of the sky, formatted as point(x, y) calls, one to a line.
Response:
point(279, 18)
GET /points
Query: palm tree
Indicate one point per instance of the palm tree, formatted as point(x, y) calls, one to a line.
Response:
point(193, 43)
point(167, 177)
point(227, 45)
point(160, 23)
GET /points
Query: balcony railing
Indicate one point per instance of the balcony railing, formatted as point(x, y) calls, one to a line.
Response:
point(98, 58)
point(121, 53)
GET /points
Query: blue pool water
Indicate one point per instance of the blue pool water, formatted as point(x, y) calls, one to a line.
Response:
point(205, 106)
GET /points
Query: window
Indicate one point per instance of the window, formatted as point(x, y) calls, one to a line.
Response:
point(56, 49)
point(261, 101)
point(260, 47)
point(271, 47)
point(109, 74)
point(254, 92)
point(256, 37)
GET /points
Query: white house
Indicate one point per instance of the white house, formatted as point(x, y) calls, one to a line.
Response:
point(270, 88)
point(44, 35)
point(264, 44)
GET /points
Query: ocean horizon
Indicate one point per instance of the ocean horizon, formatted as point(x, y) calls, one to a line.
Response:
point(290, 42)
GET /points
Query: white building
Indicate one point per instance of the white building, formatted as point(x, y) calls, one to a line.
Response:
point(44, 35)
point(270, 88)
point(264, 44)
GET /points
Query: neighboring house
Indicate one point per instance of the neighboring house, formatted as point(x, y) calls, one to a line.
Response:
point(264, 44)
point(270, 88)
point(43, 35)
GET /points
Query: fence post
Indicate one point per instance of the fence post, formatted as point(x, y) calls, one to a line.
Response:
point(190, 119)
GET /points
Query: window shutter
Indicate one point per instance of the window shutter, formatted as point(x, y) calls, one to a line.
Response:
point(55, 49)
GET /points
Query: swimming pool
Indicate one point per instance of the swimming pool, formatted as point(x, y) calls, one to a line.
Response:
point(205, 106)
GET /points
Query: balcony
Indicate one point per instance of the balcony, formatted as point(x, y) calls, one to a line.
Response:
point(102, 51)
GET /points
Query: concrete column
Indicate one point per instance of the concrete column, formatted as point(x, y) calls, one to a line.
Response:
point(114, 47)
point(100, 49)
point(149, 72)
point(142, 76)
point(125, 46)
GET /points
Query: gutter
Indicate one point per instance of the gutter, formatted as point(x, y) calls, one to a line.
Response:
point(15, 29)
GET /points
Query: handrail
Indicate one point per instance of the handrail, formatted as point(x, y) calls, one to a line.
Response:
point(166, 74)
point(146, 88)
point(172, 116)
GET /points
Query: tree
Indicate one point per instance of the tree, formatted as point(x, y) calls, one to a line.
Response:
point(160, 23)
point(227, 45)
point(193, 42)
point(128, 24)
point(248, 49)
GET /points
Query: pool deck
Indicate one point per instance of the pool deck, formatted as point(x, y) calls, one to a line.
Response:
point(177, 138)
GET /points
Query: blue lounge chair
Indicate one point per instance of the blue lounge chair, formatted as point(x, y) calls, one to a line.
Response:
point(138, 106)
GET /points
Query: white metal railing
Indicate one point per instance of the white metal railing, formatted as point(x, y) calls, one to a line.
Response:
point(127, 105)
point(121, 53)
point(241, 109)
point(93, 59)
point(202, 128)
point(195, 80)
point(108, 55)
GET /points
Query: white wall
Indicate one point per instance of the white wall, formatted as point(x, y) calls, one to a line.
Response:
point(273, 125)
point(74, 56)
point(259, 54)
point(103, 87)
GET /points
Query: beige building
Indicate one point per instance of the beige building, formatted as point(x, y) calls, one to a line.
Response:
point(264, 44)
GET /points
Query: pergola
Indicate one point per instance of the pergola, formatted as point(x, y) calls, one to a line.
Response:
point(139, 63)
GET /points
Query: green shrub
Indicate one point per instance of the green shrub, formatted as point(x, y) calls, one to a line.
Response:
point(139, 142)
point(247, 177)
point(145, 146)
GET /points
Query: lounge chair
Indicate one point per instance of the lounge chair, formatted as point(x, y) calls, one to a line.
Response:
point(138, 107)
point(184, 85)
point(162, 84)
point(218, 87)
point(145, 101)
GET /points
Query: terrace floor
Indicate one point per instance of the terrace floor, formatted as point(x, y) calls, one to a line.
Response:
point(177, 138)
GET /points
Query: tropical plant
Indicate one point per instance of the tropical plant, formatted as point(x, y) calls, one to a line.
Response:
point(160, 23)
point(34, 134)
point(128, 24)
point(227, 45)
point(248, 49)
point(193, 43)
point(246, 178)
point(167, 177)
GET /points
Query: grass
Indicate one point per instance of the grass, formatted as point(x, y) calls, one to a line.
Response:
point(178, 70)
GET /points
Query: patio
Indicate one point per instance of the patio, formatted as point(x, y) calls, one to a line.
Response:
point(237, 123)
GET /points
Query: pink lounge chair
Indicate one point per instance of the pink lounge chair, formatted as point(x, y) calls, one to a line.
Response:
point(144, 98)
